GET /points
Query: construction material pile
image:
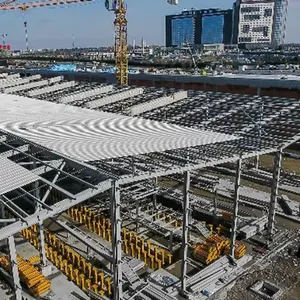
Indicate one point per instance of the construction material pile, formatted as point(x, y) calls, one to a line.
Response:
point(36, 282)
point(214, 247)
point(76, 267)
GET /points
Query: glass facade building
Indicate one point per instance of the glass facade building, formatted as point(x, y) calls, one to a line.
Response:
point(183, 30)
point(280, 20)
point(206, 26)
point(212, 29)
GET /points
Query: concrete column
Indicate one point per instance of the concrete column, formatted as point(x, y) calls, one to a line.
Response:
point(274, 192)
point(185, 229)
point(14, 268)
point(235, 206)
point(116, 241)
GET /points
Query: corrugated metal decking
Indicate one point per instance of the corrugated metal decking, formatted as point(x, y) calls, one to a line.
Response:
point(13, 176)
point(93, 135)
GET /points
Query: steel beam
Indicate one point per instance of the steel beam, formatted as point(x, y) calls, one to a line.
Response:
point(14, 268)
point(87, 240)
point(58, 188)
point(274, 192)
point(235, 206)
point(126, 179)
point(58, 208)
point(116, 241)
point(36, 198)
point(185, 229)
point(53, 182)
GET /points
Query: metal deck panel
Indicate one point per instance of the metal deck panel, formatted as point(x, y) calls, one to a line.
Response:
point(13, 176)
point(90, 135)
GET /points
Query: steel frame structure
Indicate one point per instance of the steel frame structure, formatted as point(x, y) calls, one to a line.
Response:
point(57, 172)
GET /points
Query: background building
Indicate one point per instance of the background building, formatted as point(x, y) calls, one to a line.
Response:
point(206, 26)
point(280, 20)
point(260, 21)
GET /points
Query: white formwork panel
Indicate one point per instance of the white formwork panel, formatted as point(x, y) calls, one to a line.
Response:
point(19, 81)
point(115, 98)
point(32, 85)
point(156, 103)
point(51, 89)
point(86, 94)
point(90, 135)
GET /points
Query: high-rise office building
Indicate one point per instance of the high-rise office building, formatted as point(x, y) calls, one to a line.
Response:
point(196, 27)
point(260, 21)
point(280, 20)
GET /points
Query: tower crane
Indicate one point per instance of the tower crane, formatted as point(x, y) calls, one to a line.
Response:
point(120, 23)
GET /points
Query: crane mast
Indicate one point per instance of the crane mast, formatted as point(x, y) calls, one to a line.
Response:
point(121, 57)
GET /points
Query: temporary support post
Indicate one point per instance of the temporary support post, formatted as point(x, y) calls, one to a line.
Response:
point(274, 192)
point(185, 229)
point(14, 268)
point(235, 206)
point(116, 240)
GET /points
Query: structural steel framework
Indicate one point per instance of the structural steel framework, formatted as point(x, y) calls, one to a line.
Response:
point(264, 125)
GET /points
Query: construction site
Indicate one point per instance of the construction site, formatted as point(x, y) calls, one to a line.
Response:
point(124, 192)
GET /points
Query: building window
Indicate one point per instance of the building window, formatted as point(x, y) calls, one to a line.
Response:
point(249, 9)
point(268, 12)
point(251, 17)
point(246, 28)
point(212, 29)
point(245, 40)
point(183, 31)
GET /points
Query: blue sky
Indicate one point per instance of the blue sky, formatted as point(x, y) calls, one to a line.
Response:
point(92, 25)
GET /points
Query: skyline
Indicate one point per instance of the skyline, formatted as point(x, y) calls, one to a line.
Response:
point(92, 25)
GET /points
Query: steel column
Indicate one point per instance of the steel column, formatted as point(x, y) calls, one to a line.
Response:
point(235, 206)
point(41, 236)
point(155, 195)
point(14, 267)
point(185, 229)
point(42, 245)
point(2, 213)
point(256, 164)
point(116, 241)
point(137, 210)
point(274, 192)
